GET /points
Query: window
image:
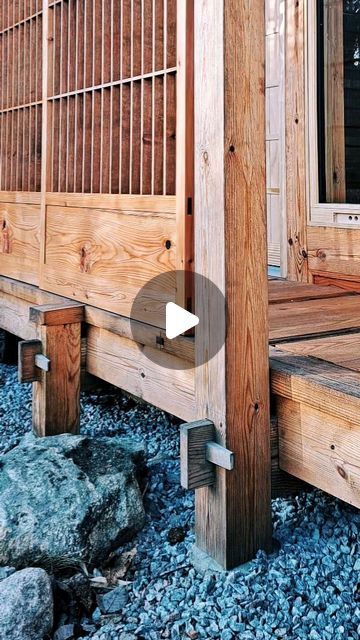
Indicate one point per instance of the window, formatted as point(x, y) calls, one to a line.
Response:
point(334, 111)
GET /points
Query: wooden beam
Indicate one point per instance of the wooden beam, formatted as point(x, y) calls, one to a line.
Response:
point(295, 141)
point(334, 102)
point(56, 394)
point(233, 518)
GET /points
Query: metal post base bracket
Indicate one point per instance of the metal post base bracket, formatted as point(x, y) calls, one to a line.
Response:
point(200, 454)
point(31, 361)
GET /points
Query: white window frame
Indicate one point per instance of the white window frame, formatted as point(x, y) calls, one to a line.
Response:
point(319, 213)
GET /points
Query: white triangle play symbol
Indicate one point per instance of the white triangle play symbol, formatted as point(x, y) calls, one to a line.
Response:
point(178, 320)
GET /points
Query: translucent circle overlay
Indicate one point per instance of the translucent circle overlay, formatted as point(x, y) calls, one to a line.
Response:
point(148, 321)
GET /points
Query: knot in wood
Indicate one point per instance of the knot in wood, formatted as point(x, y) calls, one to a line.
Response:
point(321, 254)
point(85, 258)
point(342, 472)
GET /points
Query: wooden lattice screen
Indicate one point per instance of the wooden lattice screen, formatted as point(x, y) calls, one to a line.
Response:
point(112, 99)
point(20, 95)
point(96, 145)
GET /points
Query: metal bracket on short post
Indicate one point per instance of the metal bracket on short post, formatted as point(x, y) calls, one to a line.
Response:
point(200, 455)
point(31, 361)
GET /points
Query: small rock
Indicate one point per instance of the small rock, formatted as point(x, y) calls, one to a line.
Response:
point(113, 601)
point(176, 535)
point(5, 572)
point(96, 616)
point(65, 632)
point(26, 611)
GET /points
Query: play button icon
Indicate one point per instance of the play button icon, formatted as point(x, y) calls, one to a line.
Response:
point(161, 320)
point(178, 320)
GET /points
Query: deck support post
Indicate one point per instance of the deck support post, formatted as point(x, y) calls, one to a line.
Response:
point(56, 393)
point(233, 517)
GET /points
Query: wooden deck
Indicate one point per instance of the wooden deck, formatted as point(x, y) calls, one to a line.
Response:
point(315, 384)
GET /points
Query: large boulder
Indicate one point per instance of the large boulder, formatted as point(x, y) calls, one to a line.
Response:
point(66, 499)
point(26, 605)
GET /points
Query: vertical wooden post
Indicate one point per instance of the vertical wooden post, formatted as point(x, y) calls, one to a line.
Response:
point(56, 396)
point(295, 137)
point(233, 518)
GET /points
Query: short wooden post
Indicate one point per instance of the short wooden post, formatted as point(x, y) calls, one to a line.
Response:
point(56, 394)
point(233, 517)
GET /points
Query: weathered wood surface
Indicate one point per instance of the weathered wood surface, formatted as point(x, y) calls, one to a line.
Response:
point(316, 383)
point(334, 251)
point(284, 291)
point(349, 283)
point(195, 470)
point(317, 405)
point(297, 266)
point(282, 484)
point(27, 370)
point(19, 241)
point(56, 394)
point(320, 448)
point(232, 389)
point(343, 350)
point(105, 257)
point(123, 363)
point(17, 297)
point(311, 317)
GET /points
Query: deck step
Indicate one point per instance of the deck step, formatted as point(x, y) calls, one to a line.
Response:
point(317, 404)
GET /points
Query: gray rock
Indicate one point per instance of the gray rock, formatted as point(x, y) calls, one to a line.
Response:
point(67, 499)
point(5, 572)
point(26, 610)
point(113, 601)
point(65, 632)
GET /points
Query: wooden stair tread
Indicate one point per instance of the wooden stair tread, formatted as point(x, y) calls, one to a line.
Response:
point(313, 317)
point(342, 350)
point(285, 291)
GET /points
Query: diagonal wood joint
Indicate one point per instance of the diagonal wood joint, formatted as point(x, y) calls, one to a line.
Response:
point(200, 455)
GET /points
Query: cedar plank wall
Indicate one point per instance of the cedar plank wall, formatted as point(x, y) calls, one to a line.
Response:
point(324, 255)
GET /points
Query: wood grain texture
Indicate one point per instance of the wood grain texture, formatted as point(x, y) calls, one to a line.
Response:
point(285, 291)
point(230, 200)
point(343, 350)
point(334, 102)
point(17, 297)
point(283, 484)
point(14, 316)
point(27, 370)
point(316, 383)
point(195, 470)
point(56, 397)
point(20, 241)
point(104, 258)
point(311, 317)
point(55, 314)
point(320, 448)
point(297, 268)
point(123, 363)
point(347, 283)
point(334, 250)
point(185, 151)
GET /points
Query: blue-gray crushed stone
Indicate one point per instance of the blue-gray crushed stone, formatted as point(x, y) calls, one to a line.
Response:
point(308, 589)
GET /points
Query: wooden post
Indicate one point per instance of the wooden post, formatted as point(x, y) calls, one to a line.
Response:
point(233, 518)
point(56, 395)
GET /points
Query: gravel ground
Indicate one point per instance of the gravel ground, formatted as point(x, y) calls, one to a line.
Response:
point(308, 589)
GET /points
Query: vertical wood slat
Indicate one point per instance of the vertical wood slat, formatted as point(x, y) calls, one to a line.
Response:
point(132, 39)
point(183, 164)
point(294, 139)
